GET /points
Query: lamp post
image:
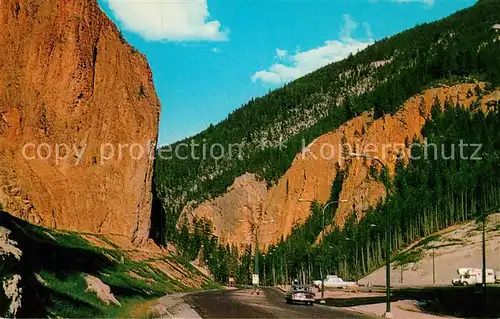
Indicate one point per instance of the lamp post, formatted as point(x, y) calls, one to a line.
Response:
point(484, 253)
point(433, 265)
point(323, 246)
point(387, 313)
point(484, 220)
point(265, 281)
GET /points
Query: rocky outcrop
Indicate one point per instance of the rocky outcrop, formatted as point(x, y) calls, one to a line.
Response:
point(313, 171)
point(10, 281)
point(236, 214)
point(103, 291)
point(13, 291)
point(78, 120)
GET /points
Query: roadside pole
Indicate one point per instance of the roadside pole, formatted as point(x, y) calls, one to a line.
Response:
point(387, 313)
point(433, 266)
point(484, 254)
point(323, 244)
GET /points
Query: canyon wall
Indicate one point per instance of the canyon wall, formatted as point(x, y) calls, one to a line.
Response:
point(235, 215)
point(78, 120)
point(313, 171)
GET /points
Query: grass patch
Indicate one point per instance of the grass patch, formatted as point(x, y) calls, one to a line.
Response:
point(441, 246)
point(497, 227)
point(427, 240)
point(455, 240)
point(70, 298)
point(415, 254)
point(62, 258)
point(407, 257)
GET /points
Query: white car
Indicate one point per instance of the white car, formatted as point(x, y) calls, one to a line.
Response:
point(333, 281)
point(300, 294)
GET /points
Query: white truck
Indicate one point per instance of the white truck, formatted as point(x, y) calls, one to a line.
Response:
point(473, 276)
point(333, 281)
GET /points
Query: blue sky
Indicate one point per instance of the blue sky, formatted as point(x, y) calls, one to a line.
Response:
point(209, 58)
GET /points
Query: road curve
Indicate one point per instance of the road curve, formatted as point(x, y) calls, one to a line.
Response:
point(270, 303)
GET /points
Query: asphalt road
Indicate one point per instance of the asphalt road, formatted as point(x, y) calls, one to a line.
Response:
point(269, 304)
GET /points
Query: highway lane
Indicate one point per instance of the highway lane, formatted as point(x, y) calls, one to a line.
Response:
point(270, 303)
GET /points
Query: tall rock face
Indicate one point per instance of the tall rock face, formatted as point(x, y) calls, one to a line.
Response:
point(78, 120)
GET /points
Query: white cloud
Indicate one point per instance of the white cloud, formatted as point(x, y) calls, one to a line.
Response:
point(368, 30)
point(429, 3)
point(302, 63)
point(349, 26)
point(174, 20)
point(281, 54)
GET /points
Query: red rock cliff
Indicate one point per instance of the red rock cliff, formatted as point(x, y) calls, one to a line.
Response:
point(68, 78)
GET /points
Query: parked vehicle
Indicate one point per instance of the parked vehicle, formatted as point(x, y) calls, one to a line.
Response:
point(497, 277)
point(473, 276)
point(300, 294)
point(333, 281)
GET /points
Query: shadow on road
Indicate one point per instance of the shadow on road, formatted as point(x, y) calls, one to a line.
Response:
point(452, 301)
point(269, 304)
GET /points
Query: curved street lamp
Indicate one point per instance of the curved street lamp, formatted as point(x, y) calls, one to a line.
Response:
point(387, 313)
point(323, 246)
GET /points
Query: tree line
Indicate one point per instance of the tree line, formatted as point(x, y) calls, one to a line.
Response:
point(426, 195)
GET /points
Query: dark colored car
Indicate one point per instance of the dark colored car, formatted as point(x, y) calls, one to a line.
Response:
point(300, 293)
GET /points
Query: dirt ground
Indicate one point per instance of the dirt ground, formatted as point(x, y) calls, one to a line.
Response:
point(458, 246)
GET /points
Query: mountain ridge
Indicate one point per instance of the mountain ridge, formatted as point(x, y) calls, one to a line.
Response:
point(456, 49)
point(311, 174)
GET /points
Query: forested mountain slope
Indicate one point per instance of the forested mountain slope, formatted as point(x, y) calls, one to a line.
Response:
point(380, 78)
point(313, 171)
point(449, 185)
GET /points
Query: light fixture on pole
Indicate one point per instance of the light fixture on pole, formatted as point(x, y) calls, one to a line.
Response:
point(484, 219)
point(323, 246)
point(387, 313)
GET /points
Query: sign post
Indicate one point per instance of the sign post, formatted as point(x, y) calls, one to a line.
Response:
point(255, 279)
point(255, 283)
